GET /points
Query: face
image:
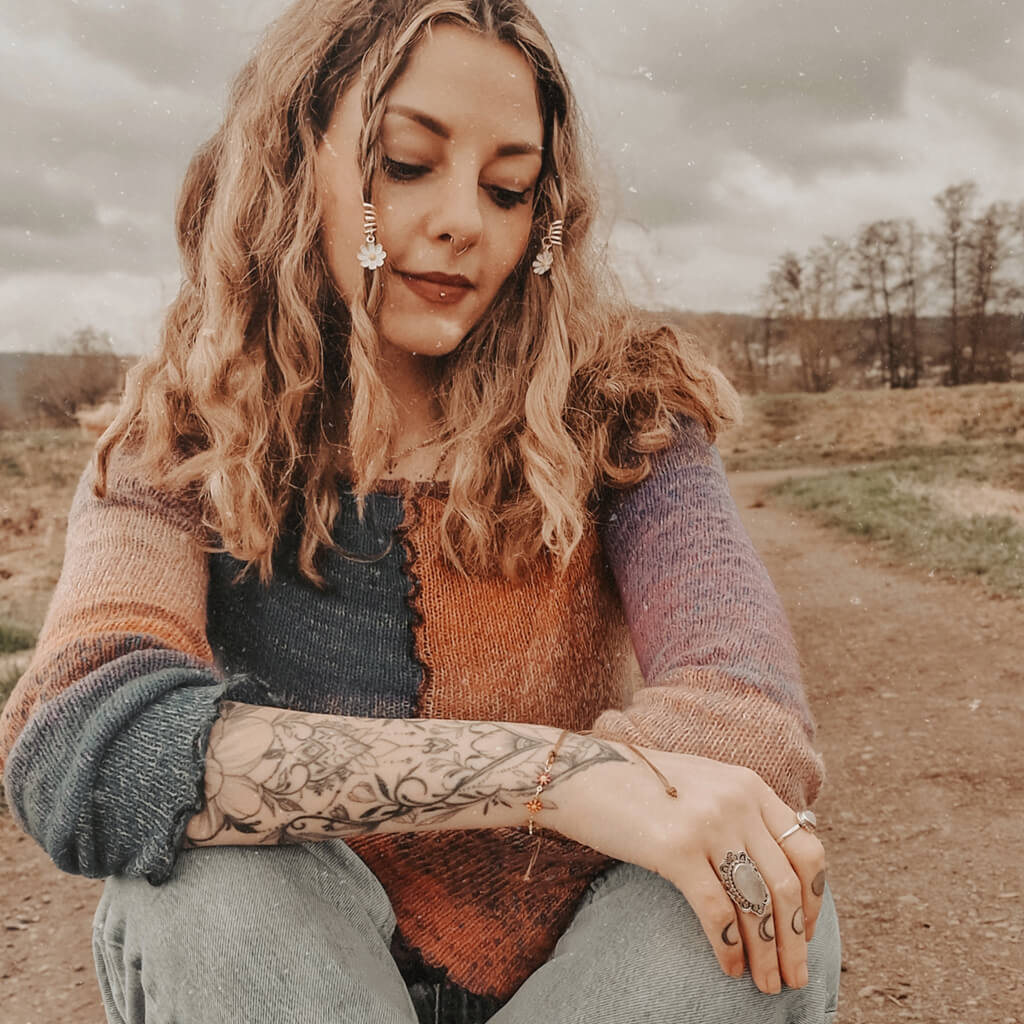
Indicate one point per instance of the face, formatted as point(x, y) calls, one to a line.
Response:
point(461, 142)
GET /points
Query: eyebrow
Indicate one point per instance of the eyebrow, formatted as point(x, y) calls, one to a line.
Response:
point(435, 127)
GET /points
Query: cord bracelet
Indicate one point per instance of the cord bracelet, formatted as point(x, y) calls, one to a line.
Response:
point(544, 778)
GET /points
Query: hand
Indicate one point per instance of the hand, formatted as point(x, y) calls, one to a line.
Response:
point(622, 810)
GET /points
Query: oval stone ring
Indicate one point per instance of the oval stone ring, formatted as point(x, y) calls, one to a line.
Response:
point(804, 820)
point(744, 884)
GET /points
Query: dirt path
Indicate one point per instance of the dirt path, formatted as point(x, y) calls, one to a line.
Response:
point(919, 693)
point(918, 688)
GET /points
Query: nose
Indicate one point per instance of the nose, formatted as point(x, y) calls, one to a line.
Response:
point(458, 218)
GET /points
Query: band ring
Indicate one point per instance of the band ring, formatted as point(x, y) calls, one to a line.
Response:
point(804, 820)
point(745, 884)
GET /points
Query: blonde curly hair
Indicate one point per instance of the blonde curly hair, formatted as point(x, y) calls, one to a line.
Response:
point(265, 388)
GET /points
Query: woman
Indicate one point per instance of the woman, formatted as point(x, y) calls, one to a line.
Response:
point(340, 657)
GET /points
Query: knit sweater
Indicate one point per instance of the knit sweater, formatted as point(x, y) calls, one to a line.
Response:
point(104, 737)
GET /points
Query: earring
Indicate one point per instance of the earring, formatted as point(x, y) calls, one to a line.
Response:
point(371, 252)
point(546, 257)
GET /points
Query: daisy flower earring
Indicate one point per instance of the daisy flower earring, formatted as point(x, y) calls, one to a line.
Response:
point(371, 253)
point(546, 257)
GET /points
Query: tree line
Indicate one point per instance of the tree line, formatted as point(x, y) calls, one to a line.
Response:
point(51, 388)
point(897, 305)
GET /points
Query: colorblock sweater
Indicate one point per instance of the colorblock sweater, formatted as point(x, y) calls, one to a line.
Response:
point(103, 740)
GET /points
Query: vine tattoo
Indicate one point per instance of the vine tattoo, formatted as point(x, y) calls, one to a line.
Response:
point(284, 776)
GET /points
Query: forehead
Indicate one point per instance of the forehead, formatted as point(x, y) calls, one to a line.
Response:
point(470, 80)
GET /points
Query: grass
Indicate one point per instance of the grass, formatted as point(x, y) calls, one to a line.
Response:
point(1000, 463)
point(14, 639)
point(8, 677)
point(52, 458)
point(889, 503)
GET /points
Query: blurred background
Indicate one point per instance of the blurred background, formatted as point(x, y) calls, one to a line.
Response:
point(783, 162)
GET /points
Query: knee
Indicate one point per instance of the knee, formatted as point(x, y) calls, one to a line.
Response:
point(824, 960)
point(653, 953)
point(233, 898)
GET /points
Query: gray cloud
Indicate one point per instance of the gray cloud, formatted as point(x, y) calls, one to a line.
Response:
point(30, 204)
point(705, 112)
point(771, 78)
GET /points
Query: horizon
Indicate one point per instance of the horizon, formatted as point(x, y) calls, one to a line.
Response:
point(725, 137)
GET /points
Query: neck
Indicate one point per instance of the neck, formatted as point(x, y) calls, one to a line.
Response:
point(411, 381)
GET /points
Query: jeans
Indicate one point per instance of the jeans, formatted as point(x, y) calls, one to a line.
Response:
point(303, 934)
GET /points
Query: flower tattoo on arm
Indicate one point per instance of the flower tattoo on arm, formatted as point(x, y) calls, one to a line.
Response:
point(279, 776)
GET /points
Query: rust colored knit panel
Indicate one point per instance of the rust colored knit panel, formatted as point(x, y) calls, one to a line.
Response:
point(552, 649)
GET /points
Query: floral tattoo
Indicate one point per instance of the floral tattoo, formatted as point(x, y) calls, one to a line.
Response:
point(287, 776)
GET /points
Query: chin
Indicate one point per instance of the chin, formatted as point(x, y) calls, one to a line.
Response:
point(426, 336)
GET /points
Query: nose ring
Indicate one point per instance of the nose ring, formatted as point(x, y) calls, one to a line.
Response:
point(463, 250)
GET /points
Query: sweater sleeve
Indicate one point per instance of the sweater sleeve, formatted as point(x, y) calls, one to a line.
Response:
point(718, 658)
point(102, 742)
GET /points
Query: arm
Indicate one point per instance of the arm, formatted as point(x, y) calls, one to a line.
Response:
point(102, 741)
point(276, 776)
point(722, 673)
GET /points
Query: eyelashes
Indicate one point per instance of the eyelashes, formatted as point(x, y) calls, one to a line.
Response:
point(504, 198)
point(397, 171)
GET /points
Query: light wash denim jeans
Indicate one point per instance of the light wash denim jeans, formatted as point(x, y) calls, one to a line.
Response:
point(302, 935)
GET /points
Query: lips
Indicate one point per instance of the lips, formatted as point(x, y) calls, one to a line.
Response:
point(437, 288)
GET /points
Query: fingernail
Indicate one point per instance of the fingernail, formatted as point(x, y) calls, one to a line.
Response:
point(736, 971)
point(774, 983)
point(801, 976)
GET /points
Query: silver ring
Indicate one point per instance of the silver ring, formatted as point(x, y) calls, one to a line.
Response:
point(745, 884)
point(804, 820)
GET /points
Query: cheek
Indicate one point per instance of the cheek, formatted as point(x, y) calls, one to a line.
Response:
point(341, 242)
point(514, 237)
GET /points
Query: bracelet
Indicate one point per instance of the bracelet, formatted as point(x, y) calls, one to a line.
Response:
point(535, 804)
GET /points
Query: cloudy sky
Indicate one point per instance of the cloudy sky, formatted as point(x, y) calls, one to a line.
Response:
point(729, 131)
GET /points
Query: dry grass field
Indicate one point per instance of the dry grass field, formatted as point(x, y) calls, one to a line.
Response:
point(892, 524)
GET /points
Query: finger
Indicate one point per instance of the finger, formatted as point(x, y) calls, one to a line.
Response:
point(743, 881)
point(818, 889)
point(762, 954)
point(788, 924)
point(717, 915)
point(807, 857)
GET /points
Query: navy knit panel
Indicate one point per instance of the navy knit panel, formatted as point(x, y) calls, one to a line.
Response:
point(363, 660)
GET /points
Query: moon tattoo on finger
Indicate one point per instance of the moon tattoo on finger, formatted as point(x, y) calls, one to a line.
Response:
point(818, 885)
point(798, 921)
point(765, 929)
point(725, 935)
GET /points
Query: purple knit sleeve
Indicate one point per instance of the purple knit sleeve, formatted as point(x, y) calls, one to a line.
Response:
point(717, 655)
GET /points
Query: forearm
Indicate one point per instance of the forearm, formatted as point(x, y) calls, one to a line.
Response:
point(278, 776)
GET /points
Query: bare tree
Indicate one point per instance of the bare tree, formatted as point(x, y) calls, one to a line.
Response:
point(989, 295)
point(908, 255)
point(85, 371)
point(954, 203)
point(877, 277)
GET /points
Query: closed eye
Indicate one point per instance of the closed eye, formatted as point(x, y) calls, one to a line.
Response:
point(398, 171)
point(507, 198)
point(504, 198)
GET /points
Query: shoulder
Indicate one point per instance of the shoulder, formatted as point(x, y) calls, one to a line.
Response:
point(125, 490)
point(684, 446)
